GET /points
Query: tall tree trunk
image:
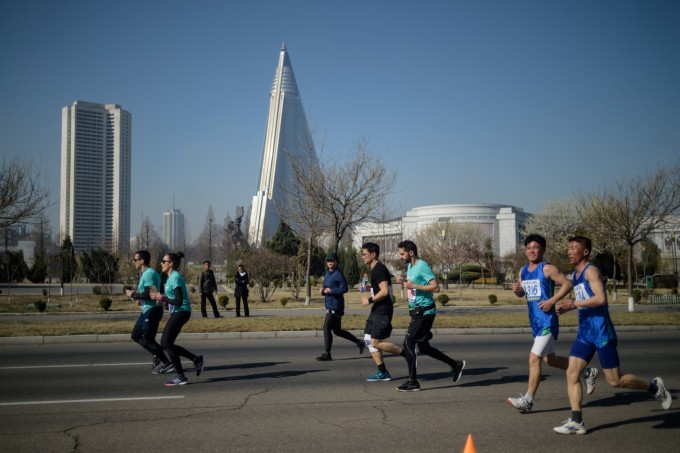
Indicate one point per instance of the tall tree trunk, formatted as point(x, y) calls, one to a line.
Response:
point(308, 298)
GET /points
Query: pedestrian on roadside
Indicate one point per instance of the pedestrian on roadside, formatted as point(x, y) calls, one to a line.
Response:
point(145, 329)
point(241, 290)
point(537, 283)
point(177, 298)
point(333, 290)
point(379, 323)
point(596, 334)
point(420, 284)
point(207, 286)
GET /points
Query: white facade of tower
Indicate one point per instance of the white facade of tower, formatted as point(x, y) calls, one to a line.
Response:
point(173, 229)
point(95, 176)
point(287, 136)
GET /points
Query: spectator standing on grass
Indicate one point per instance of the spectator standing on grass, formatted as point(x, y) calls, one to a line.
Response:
point(241, 282)
point(207, 286)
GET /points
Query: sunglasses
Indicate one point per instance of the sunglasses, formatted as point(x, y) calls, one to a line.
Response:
point(166, 261)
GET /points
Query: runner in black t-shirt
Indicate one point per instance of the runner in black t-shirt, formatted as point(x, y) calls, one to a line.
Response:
point(379, 323)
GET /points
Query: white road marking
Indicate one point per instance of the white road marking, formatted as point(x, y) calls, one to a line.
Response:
point(101, 400)
point(72, 366)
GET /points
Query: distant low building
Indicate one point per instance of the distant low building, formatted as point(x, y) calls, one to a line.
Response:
point(501, 222)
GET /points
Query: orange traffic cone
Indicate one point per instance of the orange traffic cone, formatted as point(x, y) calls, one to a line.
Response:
point(469, 445)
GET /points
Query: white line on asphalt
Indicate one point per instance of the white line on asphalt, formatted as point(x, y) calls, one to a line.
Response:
point(102, 400)
point(71, 366)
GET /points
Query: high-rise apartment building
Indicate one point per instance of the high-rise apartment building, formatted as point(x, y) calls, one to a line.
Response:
point(173, 229)
point(95, 176)
point(287, 137)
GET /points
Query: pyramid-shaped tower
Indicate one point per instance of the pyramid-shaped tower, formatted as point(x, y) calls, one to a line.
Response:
point(287, 136)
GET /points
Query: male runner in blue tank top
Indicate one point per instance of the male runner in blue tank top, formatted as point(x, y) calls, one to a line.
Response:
point(595, 334)
point(537, 283)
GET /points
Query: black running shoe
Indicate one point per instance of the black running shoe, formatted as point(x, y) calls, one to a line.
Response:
point(199, 363)
point(409, 386)
point(458, 370)
point(325, 357)
point(362, 346)
point(156, 362)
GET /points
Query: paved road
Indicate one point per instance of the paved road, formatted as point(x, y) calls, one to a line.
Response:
point(271, 395)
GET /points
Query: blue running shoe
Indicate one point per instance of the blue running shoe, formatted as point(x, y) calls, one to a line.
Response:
point(379, 376)
point(177, 380)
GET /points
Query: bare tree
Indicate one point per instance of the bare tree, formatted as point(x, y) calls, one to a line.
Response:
point(557, 221)
point(629, 210)
point(305, 195)
point(355, 190)
point(265, 268)
point(23, 196)
point(449, 245)
point(208, 238)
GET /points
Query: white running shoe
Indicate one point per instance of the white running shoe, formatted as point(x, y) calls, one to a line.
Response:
point(521, 404)
point(662, 394)
point(571, 427)
point(590, 377)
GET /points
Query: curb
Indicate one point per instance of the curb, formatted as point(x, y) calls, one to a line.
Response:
point(123, 338)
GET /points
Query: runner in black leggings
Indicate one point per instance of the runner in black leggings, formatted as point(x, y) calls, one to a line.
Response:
point(177, 298)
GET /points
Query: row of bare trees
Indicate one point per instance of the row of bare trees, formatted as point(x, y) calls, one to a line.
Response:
point(617, 217)
point(331, 196)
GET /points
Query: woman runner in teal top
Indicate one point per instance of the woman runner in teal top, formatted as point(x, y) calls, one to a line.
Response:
point(179, 305)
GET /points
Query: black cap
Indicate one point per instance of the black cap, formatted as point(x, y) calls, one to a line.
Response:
point(332, 257)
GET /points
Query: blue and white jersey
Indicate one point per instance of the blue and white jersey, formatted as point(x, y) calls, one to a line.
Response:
point(537, 288)
point(594, 324)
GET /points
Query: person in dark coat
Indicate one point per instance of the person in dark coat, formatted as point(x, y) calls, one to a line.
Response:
point(334, 288)
point(208, 285)
point(241, 291)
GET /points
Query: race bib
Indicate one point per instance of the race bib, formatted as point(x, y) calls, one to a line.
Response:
point(411, 295)
point(580, 291)
point(532, 288)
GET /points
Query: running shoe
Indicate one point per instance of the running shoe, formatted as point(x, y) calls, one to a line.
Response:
point(662, 394)
point(590, 378)
point(458, 370)
point(571, 427)
point(362, 346)
point(177, 380)
point(521, 404)
point(379, 376)
point(156, 362)
point(409, 386)
point(166, 368)
point(325, 357)
point(199, 364)
point(157, 369)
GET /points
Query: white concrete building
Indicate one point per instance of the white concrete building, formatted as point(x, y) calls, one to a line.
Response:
point(501, 222)
point(95, 176)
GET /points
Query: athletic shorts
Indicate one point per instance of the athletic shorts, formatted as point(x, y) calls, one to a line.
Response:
point(543, 345)
point(608, 355)
point(378, 326)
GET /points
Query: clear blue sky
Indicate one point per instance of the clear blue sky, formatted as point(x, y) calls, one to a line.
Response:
point(515, 102)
